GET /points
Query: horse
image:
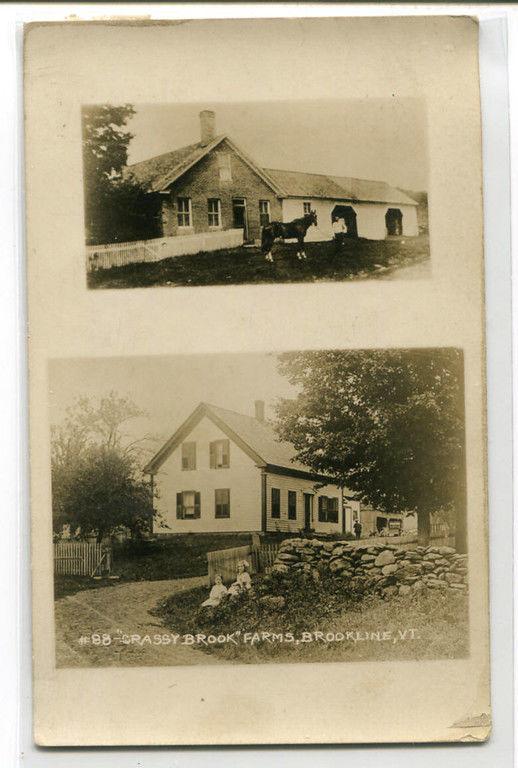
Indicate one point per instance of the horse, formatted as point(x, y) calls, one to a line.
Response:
point(292, 229)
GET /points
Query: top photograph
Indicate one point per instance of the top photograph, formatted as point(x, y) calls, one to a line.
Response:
point(270, 192)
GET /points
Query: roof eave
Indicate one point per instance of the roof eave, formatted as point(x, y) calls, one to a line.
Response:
point(182, 169)
point(277, 469)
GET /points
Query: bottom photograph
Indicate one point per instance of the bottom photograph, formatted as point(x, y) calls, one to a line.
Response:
point(303, 506)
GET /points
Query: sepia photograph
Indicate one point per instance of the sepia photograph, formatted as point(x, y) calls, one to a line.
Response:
point(252, 508)
point(255, 192)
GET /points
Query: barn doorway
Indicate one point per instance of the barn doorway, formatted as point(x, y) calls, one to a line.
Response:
point(394, 222)
point(348, 214)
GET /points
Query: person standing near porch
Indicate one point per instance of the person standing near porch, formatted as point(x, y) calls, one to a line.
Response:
point(357, 528)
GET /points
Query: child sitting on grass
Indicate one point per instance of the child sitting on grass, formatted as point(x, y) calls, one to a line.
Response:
point(217, 592)
point(243, 581)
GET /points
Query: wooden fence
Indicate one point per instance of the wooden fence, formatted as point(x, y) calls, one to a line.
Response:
point(260, 559)
point(120, 254)
point(80, 558)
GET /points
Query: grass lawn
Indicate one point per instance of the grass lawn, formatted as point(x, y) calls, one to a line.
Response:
point(428, 625)
point(166, 558)
point(359, 258)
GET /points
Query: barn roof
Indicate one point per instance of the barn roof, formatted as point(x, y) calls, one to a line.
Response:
point(257, 438)
point(299, 184)
point(158, 173)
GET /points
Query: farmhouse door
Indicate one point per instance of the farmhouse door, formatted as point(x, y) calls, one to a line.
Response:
point(308, 511)
point(240, 215)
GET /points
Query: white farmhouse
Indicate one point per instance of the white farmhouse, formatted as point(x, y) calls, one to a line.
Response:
point(224, 471)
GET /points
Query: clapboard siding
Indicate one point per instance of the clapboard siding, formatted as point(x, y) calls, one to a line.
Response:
point(300, 486)
point(242, 478)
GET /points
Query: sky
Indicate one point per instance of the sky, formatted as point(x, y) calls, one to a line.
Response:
point(168, 388)
point(379, 139)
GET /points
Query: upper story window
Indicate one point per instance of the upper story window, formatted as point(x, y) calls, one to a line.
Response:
point(220, 454)
point(188, 455)
point(264, 212)
point(224, 166)
point(184, 214)
point(306, 207)
point(328, 509)
point(276, 502)
point(214, 212)
point(292, 505)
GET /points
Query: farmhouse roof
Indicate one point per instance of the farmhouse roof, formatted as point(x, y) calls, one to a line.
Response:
point(158, 173)
point(257, 438)
point(298, 184)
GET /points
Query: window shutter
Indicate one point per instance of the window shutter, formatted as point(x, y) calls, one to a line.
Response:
point(197, 504)
point(179, 506)
point(226, 453)
point(320, 510)
point(212, 450)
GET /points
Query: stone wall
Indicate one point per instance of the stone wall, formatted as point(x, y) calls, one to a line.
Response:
point(387, 569)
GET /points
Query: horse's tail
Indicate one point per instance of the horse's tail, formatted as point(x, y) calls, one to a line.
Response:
point(266, 238)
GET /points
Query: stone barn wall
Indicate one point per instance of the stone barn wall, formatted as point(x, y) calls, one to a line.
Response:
point(387, 569)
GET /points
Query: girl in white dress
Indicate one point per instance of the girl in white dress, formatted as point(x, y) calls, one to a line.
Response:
point(216, 593)
point(243, 581)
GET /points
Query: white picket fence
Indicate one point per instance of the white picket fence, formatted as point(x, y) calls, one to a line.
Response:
point(120, 254)
point(81, 558)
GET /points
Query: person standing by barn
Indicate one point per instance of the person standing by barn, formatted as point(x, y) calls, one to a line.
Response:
point(339, 232)
point(357, 528)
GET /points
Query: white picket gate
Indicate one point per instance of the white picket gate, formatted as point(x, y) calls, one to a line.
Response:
point(81, 558)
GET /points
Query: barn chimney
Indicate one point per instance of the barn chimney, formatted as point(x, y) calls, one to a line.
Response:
point(259, 410)
point(207, 127)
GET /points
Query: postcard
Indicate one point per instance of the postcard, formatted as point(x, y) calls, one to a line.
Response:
point(257, 393)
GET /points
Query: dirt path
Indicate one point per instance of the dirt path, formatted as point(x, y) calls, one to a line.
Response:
point(118, 613)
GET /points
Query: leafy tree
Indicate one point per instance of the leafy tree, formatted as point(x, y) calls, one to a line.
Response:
point(107, 494)
point(389, 425)
point(97, 483)
point(117, 208)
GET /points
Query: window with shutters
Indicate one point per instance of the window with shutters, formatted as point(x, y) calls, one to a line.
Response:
point(220, 454)
point(184, 214)
point(264, 212)
point(188, 455)
point(214, 210)
point(292, 505)
point(328, 509)
point(222, 502)
point(188, 505)
point(276, 502)
point(306, 207)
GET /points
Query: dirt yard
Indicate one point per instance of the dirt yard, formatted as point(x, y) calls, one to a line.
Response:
point(86, 620)
point(358, 259)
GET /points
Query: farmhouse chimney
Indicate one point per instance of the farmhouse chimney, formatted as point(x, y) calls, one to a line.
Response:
point(259, 410)
point(207, 127)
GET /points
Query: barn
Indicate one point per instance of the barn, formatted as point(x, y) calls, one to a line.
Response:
point(213, 185)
